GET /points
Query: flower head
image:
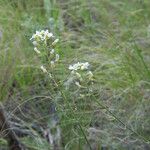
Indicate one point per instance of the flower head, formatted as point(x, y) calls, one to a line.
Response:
point(79, 66)
point(43, 69)
point(80, 73)
point(45, 41)
point(85, 66)
point(44, 36)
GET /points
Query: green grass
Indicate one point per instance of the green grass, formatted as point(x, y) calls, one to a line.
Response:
point(110, 34)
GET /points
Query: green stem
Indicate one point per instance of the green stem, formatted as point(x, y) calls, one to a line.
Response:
point(85, 136)
point(64, 97)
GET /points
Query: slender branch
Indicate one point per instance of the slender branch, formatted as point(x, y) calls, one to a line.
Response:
point(85, 136)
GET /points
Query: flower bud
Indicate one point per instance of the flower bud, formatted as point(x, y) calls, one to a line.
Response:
point(43, 69)
point(57, 57)
point(55, 42)
point(34, 43)
point(52, 63)
point(52, 51)
point(36, 50)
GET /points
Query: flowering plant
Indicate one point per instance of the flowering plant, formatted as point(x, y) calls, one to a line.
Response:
point(66, 94)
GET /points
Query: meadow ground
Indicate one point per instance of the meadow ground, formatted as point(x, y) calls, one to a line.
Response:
point(114, 37)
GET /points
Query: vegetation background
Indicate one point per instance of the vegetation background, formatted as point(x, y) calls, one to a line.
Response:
point(113, 36)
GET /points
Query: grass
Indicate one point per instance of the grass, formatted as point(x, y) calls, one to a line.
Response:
point(110, 34)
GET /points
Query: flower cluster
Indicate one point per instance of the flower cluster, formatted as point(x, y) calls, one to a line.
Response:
point(79, 66)
point(80, 73)
point(44, 36)
point(44, 43)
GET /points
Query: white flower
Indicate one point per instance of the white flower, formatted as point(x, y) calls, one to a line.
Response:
point(52, 63)
point(43, 69)
point(74, 66)
point(35, 43)
point(52, 51)
point(80, 72)
point(79, 66)
point(57, 57)
point(37, 33)
point(50, 35)
point(84, 66)
point(43, 36)
point(46, 32)
point(36, 50)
